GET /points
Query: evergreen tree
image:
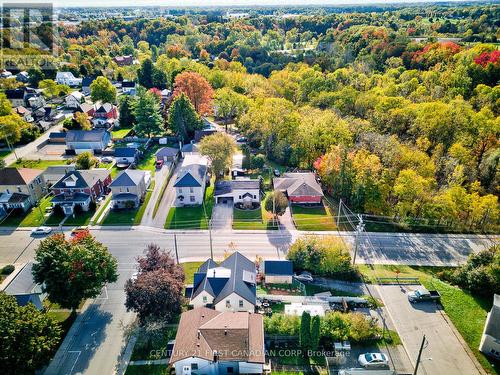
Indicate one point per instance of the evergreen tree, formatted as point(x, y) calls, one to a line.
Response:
point(148, 115)
point(315, 325)
point(183, 119)
point(305, 332)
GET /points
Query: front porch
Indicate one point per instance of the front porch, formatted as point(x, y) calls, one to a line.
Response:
point(15, 201)
point(68, 202)
point(125, 200)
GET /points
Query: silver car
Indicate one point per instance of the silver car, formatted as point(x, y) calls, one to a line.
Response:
point(41, 230)
point(373, 360)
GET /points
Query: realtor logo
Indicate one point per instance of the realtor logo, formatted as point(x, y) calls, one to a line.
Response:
point(29, 35)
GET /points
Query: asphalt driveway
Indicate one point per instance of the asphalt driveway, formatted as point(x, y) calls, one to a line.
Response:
point(222, 215)
point(446, 351)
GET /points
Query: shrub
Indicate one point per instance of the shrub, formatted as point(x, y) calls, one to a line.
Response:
point(257, 161)
point(8, 269)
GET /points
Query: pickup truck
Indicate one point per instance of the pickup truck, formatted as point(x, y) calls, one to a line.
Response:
point(422, 294)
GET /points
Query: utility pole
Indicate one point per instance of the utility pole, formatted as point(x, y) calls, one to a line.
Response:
point(175, 247)
point(424, 341)
point(338, 215)
point(359, 230)
point(210, 235)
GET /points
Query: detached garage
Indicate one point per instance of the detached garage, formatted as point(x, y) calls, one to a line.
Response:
point(278, 271)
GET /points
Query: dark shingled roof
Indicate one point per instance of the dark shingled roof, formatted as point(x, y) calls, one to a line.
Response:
point(189, 147)
point(191, 176)
point(14, 94)
point(298, 184)
point(128, 84)
point(129, 177)
point(278, 268)
point(84, 178)
point(96, 135)
point(225, 187)
point(166, 151)
point(57, 135)
point(222, 287)
point(125, 152)
point(86, 81)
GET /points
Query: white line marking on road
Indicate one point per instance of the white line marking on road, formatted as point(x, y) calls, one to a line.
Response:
point(106, 292)
point(76, 360)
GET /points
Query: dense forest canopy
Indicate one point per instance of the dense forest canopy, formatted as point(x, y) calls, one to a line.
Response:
point(397, 108)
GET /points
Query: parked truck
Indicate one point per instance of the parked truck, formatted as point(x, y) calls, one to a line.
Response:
point(422, 294)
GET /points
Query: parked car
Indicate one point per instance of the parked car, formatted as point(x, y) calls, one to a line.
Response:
point(373, 360)
point(41, 230)
point(422, 294)
point(77, 230)
point(159, 164)
point(277, 173)
point(304, 277)
point(107, 159)
point(241, 139)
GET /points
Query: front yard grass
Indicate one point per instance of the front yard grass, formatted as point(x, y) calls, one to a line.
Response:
point(128, 217)
point(313, 218)
point(33, 218)
point(121, 132)
point(466, 311)
point(192, 217)
point(39, 164)
point(78, 219)
point(253, 219)
point(189, 269)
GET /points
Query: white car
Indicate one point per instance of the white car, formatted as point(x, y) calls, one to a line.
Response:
point(304, 277)
point(41, 230)
point(107, 159)
point(373, 360)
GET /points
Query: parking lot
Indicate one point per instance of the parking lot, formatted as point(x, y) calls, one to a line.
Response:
point(49, 151)
point(445, 352)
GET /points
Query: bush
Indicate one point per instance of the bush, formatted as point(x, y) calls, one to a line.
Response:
point(257, 161)
point(280, 324)
point(8, 269)
point(326, 256)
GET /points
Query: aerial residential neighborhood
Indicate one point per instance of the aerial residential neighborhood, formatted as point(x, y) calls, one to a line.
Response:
point(202, 189)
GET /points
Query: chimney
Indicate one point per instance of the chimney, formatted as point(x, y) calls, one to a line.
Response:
point(199, 334)
point(225, 332)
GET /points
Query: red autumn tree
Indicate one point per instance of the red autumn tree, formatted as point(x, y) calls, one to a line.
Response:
point(156, 293)
point(197, 89)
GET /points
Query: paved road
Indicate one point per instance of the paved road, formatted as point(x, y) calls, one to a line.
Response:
point(81, 354)
point(446, 351)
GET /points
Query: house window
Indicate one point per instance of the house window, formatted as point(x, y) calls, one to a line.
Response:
point(205, 299)
point(19, 188)
point(191, 190)
point(194, 366)
point(239, 196)
point(192, 198)
point(254, 197)
point(230, 370)
point(228, 303)
point(128, 190)
point(180, 191)
point(241, 303)
point(7, 190)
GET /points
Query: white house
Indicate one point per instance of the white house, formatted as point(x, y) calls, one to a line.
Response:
point(128, 88)
point(74, 100)
point(129, 188)
point(244, 191)
point(212, 342)
point(490, 341)
point(67, 78)
point(228, 286)
point(191, 181)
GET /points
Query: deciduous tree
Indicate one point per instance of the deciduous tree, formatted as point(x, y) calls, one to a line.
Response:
point(101, 89)
point(198, 90)
point(219, 148)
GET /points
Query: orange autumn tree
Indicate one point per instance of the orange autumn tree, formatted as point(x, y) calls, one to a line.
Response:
point(197, 89)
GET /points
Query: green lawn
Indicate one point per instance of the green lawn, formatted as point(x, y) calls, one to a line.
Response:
point(82, 218)
point(148, 161)
point(121, 133)
point(253, 219)
point(4, 153)
point(38, 164)
point(128, 217)
point(33, 218)
point(189, 269)
point(467, 312)
point(192, 217)
point(313, 218)
point(147, 370)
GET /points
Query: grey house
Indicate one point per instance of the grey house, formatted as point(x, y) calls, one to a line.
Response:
point(129, 188)
point(94, 141)
point(167, 154)
point(24, 289)
point(228, 286)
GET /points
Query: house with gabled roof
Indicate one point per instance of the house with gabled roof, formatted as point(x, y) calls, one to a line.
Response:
point(105, 115)
point(94, 141)
point(191, 181)
point(21, 188)
point(226, 286)
point(490, 340)
point(74, 99)
point(24, 288)
point(212, 342)
point(241, 191)
point(299, 187)
point(86, 82)
point(80, 188)
point(129, 188)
